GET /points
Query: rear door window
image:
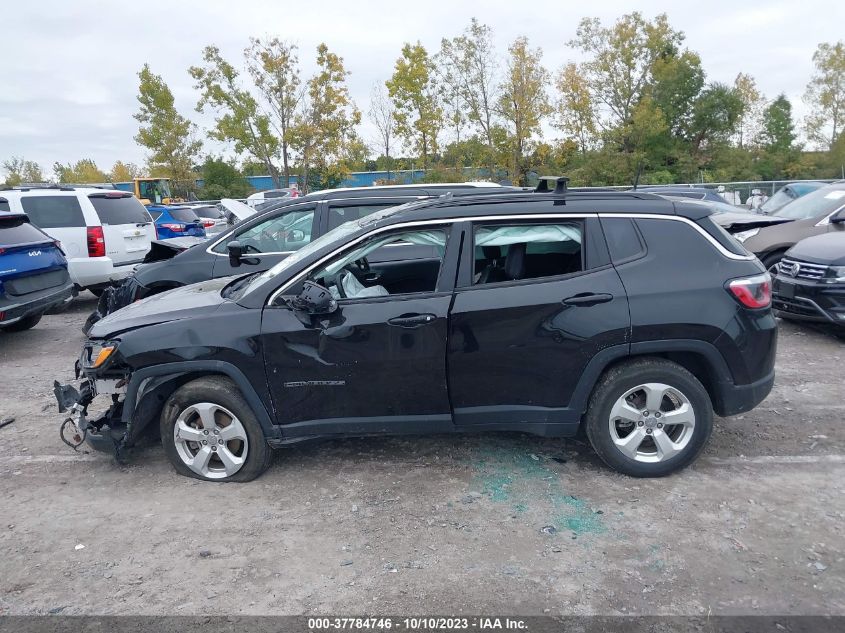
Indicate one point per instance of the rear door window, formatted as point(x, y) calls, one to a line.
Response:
point(53, 212)
point(184, 215)
point(347, 213)
point(17, 230)
point(623, 240)
point(114, 210)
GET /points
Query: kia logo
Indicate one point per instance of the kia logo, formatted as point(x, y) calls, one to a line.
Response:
point(34, 253)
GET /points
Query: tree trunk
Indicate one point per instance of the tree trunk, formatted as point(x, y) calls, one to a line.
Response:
point(285, 164)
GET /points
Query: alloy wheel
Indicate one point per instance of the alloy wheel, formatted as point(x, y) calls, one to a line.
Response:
point(652, 422)
point(210, 440)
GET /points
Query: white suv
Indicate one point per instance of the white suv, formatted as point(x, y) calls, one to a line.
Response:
point(103, 232)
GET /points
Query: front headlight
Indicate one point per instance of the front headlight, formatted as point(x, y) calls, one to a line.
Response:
point(95, 354)
point(744, 235)
point(834, 275)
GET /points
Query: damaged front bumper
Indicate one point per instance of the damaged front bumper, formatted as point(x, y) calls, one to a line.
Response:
point(106, 432)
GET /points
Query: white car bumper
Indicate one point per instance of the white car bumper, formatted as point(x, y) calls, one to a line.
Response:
point(86, 272)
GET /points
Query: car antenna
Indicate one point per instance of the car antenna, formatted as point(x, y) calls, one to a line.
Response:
point(561, 184)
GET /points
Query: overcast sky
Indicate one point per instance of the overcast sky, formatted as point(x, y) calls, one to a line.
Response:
point(68, 70)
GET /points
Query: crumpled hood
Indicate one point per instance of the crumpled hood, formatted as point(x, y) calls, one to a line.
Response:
point(733, 222)
point(828, 249)
point(180, 303)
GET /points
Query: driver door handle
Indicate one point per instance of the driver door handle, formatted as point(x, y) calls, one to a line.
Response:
point(412, 320)
point(587, 299)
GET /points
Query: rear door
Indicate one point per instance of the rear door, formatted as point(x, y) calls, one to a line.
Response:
point(127, 229)
point(60, 217)
point(537, 300)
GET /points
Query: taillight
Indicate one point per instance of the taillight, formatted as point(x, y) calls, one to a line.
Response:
point(208, 223)
point(96, 242)
point(176, 228)
point(753, 292)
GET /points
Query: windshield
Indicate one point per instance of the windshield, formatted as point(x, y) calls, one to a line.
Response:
point(781, 198)
point(154, 190)
point(337, 236)
point(815, 204)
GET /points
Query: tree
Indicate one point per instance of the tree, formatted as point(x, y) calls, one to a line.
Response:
point(325, 124)
point(419, 116)
point(164, 132)
point(238, 118)
point(622, 59)
point(274, 67)
point(222, 180)
point(382, 115)
point(82, 172)
point(522, 102)
point(124, 172)
point(574, 110)
point(778, 131)
point(676, 81)
point(715, 115)
point(825, 95)
point(469, 69)
point(20, 170)
point(752, 100)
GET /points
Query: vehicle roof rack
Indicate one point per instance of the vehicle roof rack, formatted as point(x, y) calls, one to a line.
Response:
point(544, 186)
point(37, 188)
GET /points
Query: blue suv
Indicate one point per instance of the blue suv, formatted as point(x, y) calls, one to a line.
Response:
point(33, 273)
point(176, 222)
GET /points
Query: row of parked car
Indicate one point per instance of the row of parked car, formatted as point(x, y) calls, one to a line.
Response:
point(117, 248)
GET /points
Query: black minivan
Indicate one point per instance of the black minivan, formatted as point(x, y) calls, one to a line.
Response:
point(626, 314)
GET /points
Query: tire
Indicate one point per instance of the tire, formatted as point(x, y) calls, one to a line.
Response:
point(632, 440)
point(25, 323)
point(772, 259)
point(218, 401)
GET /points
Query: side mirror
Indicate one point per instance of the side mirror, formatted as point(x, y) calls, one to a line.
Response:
point(236, 252)
point(838, 217)
point(313, 300)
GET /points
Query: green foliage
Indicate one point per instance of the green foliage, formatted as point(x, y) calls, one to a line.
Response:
point(324, 128)
point(20, 170)
point(124, 172)
point(523, 103)
point(238, 118)
point(222, 180)
point(825, 95)
point(82, 171)
point(167, 135)
point(419, 115)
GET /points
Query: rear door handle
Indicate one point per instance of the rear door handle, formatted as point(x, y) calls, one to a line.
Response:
point(412, 320)
point(587, 299)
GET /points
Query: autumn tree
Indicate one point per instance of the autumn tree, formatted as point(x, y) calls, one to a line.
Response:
point(574, 110)
point(825, 95)
point(19, 170)
point(752, 100)
point(419, 116)
point(82, 172)
point(238, 118)
point(470, 72)
point(325, 124)
point(523, 102)
point(274, 67)
point(167, 135)
point(124, 172)
point(777, 132)
point(382, 114)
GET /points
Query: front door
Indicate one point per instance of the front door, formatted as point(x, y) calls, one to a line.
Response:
point(378, 363)
point(267, 239)
point(534, 311)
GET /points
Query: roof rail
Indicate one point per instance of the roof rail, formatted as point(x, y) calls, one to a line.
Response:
point(561, 184)
point(37, 188)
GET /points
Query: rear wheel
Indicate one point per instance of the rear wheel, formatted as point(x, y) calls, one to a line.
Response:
point(24, 324)
point(649, 418)
point(210, 432)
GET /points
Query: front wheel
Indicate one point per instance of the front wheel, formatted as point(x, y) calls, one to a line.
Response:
point(649, 418)
point(209, 431)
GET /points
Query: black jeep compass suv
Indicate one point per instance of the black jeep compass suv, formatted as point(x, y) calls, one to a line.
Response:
point(628, 314)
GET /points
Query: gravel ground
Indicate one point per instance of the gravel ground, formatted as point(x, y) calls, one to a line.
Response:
point(457, 524)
